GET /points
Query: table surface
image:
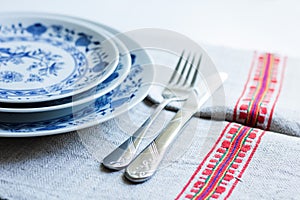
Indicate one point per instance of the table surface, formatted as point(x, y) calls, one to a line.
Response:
point(36, 167)
point(271, 25)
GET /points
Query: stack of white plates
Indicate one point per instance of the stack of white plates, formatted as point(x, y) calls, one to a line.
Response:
point(60, 74)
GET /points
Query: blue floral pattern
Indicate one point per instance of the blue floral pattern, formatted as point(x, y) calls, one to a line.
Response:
point(45, 63)
point(20, 48)
point(10, 76)
point(36, 29)
point(54, 31)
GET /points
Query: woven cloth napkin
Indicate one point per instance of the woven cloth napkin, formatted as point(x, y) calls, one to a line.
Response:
point(210, 159)
point(261, 90)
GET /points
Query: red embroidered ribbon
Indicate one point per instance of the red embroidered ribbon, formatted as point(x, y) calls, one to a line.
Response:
point(224, 165)
point(256, 104)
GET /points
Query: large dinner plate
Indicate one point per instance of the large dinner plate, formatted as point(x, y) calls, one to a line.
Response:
point(130, 92)
point(46, 57)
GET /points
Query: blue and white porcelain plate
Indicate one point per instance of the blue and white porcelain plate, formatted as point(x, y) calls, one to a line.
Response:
point(45, 57)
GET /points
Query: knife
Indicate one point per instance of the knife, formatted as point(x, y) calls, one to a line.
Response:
point(146, 163)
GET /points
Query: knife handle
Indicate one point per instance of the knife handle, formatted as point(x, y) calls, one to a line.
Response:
point(123, 154)
point(147, 162)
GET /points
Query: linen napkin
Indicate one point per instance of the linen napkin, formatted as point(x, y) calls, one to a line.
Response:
point(261, 90)
point(210, 159)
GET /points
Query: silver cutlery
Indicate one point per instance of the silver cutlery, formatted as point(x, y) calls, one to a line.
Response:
point(178, 89)
point(146, 163)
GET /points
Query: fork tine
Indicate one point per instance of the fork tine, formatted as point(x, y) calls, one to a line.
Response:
point(177, 68)
point(196, 72)
point(184, 68)
point(190, 69)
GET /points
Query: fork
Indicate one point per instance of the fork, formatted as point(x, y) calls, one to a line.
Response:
point(179, 86)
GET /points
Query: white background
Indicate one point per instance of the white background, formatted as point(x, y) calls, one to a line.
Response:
point(271, 25)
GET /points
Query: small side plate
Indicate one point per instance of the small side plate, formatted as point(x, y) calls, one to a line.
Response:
point(44, 57)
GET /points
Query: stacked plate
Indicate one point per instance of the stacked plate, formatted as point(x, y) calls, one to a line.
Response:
point(60, 74)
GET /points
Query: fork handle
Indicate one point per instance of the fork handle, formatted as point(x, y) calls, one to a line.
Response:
point(122, 155)
point(147, 162)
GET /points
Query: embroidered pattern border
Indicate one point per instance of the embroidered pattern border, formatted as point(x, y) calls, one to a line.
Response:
point(224, 165)
point(256, 103)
